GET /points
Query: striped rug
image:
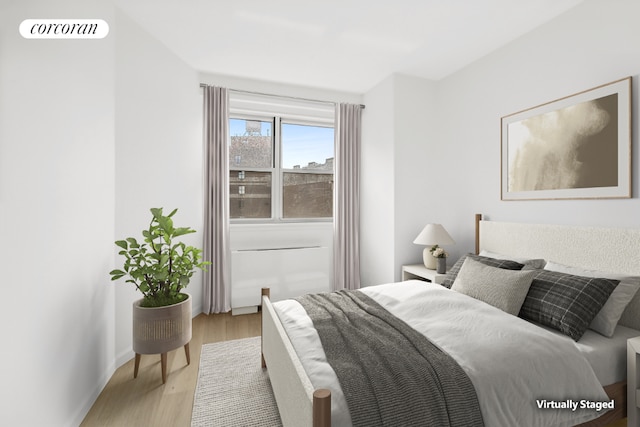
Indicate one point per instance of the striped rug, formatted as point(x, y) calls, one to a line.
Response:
point(232, 389)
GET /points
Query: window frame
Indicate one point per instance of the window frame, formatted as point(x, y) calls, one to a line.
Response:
point(277, 171)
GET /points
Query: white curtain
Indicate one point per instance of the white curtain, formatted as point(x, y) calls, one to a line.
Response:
point(216, 293)
point(346, 244)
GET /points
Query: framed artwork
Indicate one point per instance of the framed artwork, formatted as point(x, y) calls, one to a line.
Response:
point(577, 147)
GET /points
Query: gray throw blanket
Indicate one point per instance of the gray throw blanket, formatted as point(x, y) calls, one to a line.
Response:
point(390, 374)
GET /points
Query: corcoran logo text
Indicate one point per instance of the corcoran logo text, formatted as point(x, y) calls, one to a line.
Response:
point(64, 29)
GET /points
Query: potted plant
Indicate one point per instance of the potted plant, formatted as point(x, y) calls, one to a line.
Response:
point(160, 268)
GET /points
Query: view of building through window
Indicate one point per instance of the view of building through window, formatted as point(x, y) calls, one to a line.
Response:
point(285, 174)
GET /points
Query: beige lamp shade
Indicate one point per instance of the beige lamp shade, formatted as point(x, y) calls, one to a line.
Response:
point(432, 234)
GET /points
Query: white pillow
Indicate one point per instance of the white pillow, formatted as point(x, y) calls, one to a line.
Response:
point(528, 262)
point(608, 317)
point(503, 289)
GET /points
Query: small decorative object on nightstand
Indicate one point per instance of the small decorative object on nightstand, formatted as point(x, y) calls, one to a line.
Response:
point(633, 381)
point(441, 257)
point(432, 235)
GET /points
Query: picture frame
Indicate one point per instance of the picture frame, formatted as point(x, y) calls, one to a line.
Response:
point(576, 147)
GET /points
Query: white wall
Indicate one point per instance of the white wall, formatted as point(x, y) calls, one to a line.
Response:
point(399, 131)
point(415, 160)
point(92, 134)
point(593, 44)
point(56, 217)
point(459, 142)
point(271, 88)
point(377, 189)
point(158, 158)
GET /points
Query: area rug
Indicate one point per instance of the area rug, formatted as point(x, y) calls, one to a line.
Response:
point(232, 388)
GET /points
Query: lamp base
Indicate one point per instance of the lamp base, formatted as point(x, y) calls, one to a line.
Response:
point(429, 260)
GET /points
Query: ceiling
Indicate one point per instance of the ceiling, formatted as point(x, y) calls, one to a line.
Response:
point(346, 45)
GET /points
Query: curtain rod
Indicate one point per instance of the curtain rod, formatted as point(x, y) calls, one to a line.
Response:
point(280, 96)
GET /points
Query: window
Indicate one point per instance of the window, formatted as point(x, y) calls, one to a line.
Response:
point(251, 168)
point(280, 169)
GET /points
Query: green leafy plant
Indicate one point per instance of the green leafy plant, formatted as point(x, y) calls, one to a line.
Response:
point(159, 267)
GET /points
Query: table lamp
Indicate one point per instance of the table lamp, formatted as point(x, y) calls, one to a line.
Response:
point(431, 235)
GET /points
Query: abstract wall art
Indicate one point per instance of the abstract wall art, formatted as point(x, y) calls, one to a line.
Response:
point(576, 147)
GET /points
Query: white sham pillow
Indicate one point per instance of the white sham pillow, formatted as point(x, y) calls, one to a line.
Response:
point(503, 289)
point(608, 317)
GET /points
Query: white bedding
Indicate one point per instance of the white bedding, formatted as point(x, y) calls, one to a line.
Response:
point(493, 347)
point(607, 356)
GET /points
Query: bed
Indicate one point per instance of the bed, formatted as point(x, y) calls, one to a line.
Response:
point(600, 360)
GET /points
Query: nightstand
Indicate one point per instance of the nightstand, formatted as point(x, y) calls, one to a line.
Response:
point(633, 381)
point(420, 272)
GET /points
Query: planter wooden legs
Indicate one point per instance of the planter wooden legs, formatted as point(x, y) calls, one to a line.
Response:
point(137, 365)
point(187, 354)
point(163, 363)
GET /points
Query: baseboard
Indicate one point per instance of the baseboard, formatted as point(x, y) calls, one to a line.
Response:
point(244, 310)
point(88, 403)
point(124, 357)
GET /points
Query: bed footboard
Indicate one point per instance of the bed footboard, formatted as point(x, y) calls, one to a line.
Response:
point(298, 403)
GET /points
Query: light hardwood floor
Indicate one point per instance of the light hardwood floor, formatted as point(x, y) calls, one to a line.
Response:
point(144, 401)
point(619, 423)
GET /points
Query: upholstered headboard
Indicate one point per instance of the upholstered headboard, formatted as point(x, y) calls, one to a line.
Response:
point(615, 250)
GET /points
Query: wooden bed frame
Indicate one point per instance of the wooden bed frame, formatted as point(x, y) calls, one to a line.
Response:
point(606, 249)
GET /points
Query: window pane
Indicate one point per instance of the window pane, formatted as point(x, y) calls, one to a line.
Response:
point(251, 144)
point(307, 147)
point(250, 194)
point(307, 195)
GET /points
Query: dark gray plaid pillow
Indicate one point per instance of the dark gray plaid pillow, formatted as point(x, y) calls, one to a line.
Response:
point(505, 264)
point(566, 302)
